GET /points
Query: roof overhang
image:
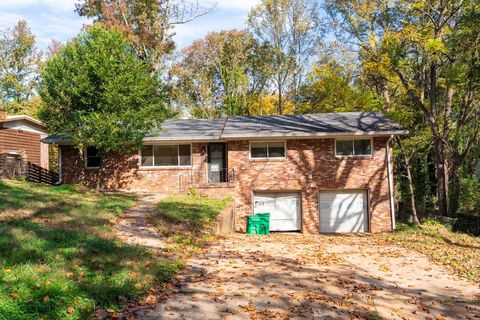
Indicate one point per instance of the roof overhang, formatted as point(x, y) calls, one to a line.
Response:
point(13, 118)
point(257, 136)
point(300, 135)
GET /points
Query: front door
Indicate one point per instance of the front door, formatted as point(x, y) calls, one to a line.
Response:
point(216, 162)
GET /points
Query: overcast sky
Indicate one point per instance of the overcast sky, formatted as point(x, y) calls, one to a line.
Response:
point(56, 19)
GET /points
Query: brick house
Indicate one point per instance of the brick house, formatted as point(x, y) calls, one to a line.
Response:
point(20, 136)
point(328, 172)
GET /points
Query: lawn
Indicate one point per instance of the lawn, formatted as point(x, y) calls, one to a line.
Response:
point(458, 251)
point(59, 258)
point(187, 220)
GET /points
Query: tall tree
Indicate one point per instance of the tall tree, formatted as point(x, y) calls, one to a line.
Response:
point(19, 64)
point(221, 74)
point(148, 24)
point(330, 87)
point(293, 29)
point(98, 93)
point(432, 49)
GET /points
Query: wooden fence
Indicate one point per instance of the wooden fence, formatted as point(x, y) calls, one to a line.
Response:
point(12, 166)
point(467, 223)
point(225, 222)
point(38, 174)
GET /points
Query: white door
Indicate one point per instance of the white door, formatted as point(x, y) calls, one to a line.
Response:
point(284, 209)
point(343, 211)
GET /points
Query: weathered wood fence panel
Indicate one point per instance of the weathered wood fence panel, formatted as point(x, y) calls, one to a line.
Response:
point(13, 166)
point(38, 174)
point(225, 222)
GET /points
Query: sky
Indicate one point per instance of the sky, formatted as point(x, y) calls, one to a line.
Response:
point(56, 19)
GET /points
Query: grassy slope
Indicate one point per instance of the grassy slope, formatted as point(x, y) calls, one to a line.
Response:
point(186, 219)
point(458, 251)
point(59, 259)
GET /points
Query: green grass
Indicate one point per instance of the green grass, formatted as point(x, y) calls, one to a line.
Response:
point(59, 258)
point(187, 219)
point(458, 251)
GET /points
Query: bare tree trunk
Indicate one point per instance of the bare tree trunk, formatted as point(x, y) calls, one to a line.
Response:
point(386, 97)
point(99, 177)
point(411, 190)
point(441, 178)
point(453, 193)
point(280, 99)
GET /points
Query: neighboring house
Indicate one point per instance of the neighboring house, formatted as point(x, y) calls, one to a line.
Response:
point(315, 172)
point(21, 136)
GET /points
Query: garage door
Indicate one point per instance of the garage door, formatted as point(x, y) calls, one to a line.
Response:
point(284, 209)
point(343, 211)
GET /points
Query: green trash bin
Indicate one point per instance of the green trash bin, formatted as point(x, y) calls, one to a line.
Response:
point(265, 218)
point(258, 224)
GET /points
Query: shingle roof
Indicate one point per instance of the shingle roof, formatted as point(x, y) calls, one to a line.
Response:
point(188, 129)
point(319, 124)
point(306, 125)
point(20, 117)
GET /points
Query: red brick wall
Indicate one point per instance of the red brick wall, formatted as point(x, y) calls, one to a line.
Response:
point(315, 156)
point(27, 143)
point(122, 172)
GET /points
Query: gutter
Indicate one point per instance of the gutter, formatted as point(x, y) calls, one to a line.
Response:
point(302, 135)
point(390, 181)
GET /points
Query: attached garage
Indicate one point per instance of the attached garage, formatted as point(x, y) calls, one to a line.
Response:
point(343, 211)
point(284, 209)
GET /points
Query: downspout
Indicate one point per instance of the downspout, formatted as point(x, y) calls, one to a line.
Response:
point(390, 182)
point(59, 159)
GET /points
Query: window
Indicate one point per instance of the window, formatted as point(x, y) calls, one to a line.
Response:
point(267, 149)
point(92, 159)
point(166, 155)
point(356, 147)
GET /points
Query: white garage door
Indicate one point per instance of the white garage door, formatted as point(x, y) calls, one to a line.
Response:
point(284, 209)
point(343, 211)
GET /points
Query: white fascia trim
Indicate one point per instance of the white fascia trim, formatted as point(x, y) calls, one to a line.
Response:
point(312, 135)
point(25, 117)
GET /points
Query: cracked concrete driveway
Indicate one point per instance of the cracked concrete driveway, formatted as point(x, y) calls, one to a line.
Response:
point(285, 276)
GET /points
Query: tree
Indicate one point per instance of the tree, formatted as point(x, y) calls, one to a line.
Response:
point(431, 49)
point(221, 74)
point(98, 93)
point(19, 63)
point(330, 87)
point(148, 24)
point(293, 30)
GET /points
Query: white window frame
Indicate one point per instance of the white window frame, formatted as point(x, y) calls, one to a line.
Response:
point(164, 167)
point(268, 156)
point(86, 158)
point(353, 146)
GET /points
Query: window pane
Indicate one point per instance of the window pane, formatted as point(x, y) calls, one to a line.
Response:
point(147, 156)
point(344, 147)
point(166, 155)
point(184, 153)
point(362, 147)
point(258, 150)
point(93, 160)
point(276, 149)
point(92, 152)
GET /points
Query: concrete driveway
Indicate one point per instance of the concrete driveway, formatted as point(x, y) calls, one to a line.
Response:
point(285, 276)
